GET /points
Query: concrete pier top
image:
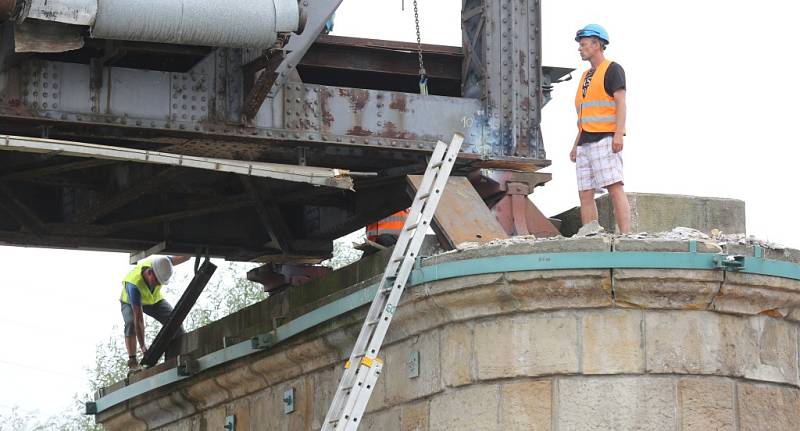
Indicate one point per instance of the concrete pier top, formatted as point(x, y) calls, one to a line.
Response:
point(618, 348)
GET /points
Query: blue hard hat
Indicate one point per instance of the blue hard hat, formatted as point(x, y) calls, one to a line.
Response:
point(592, 30)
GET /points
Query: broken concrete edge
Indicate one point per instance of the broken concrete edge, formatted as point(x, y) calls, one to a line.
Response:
point(592, 253)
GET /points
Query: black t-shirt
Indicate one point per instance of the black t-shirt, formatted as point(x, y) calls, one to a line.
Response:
point(615, 80)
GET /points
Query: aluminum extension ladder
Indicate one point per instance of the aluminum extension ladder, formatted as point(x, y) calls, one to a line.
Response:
point(358, 381)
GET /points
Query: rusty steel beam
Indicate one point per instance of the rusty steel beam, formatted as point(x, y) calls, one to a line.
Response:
point(274, 278)
point(231, 204)
point(117, 199)
point(381, 56)
point(271, 218)
point(462, 216)
point(106, 243)
point(23, 215)
point(36, 173)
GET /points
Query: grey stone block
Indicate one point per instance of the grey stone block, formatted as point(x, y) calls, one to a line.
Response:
point(659, 213)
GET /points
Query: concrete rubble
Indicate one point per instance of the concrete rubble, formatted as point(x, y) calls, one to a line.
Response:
point(677, 234)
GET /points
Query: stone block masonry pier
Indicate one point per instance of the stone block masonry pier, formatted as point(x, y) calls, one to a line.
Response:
point(573, 334)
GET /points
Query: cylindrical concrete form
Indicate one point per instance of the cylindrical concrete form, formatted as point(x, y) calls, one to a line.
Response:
point(622, 349)
point(243, 23)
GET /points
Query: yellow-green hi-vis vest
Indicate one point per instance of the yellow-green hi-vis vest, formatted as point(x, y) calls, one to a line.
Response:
point(135, 277)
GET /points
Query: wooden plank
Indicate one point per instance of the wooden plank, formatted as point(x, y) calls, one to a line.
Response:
point(136, 257)
point(462, 216)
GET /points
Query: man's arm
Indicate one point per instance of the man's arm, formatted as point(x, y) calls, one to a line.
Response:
point(619, 98)
point(177, 260)
point(573, 155)
point(138, 326)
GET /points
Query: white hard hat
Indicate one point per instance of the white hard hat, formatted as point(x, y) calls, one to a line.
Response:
point(162, 267)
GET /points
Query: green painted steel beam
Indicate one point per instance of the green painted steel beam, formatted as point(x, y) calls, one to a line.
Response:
point(463, 268)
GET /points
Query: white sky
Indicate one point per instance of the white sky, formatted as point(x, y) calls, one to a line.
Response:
point(710, 93)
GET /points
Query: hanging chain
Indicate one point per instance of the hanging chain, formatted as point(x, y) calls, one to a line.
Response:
point(423, 77)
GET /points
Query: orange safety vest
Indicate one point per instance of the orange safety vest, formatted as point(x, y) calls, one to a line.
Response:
point(597, 111)
point(391, 225)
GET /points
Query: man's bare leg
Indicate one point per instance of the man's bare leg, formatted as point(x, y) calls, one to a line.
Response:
point(622, 209)
point(130, 345)
point(588, 206)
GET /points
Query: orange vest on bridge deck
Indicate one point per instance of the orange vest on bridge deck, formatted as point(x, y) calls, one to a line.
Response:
point(597, 111)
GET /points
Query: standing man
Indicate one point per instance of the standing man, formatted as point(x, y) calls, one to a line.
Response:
point(141, 292)
point(600, 103)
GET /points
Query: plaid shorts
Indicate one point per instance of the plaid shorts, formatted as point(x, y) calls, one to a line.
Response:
point(597, 166)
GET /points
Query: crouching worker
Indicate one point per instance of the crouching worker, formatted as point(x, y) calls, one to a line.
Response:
point(141, 293)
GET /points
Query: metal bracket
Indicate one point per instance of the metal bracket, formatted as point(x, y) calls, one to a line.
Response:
point(288, 401)
point(263, 341)
point(316, 14)
point(187, 366)
point(230, 423)
point(413, 364)
point(91, 408)
point(729, 262)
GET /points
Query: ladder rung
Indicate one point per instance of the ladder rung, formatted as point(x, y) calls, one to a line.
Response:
point(413, 226)
point(436, 164)
point(399, 259)
point(423, 196)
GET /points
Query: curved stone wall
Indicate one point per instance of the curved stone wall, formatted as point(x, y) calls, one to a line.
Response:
point(536, 350)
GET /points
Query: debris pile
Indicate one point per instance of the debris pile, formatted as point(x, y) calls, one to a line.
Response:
point(679, 233)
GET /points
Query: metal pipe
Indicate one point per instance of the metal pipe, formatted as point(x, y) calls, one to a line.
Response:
point(244, 23)
point(239, 24)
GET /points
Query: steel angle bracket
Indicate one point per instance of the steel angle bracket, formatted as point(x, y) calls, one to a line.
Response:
point(187, 366)
point(263, 341)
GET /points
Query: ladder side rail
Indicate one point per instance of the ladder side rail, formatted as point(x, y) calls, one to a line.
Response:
point(378, 303)
point(417, 205)
point(363, 399)
point(419, 235)
point(358, 381)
